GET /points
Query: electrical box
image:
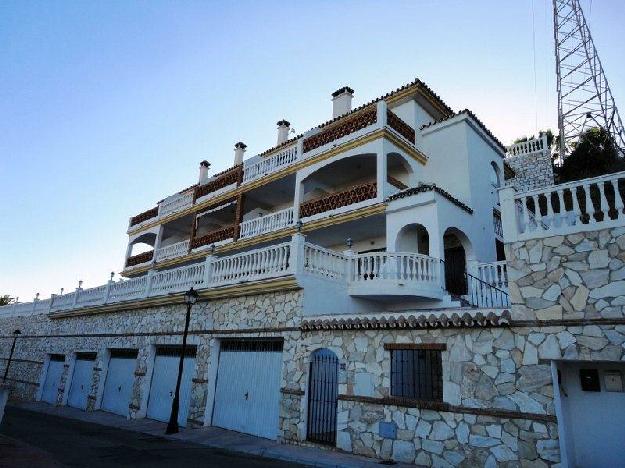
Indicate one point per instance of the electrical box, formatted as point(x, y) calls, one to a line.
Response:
point(388, 430)
point(589, 380)
point(613, 381)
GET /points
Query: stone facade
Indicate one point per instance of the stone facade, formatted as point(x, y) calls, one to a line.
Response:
point(532, 170)
point(577, 276)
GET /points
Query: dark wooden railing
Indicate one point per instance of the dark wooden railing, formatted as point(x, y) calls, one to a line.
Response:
point(337, 200)
point(139, 258)
point(144, 216)
point(396, 183)
point(212, 237)
point(341, 128)
point(400, 126)
point(234, 175)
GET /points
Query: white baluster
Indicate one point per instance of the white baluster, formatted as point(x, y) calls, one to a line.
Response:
point(618, 200)
point(590, 209)
point(603, 202)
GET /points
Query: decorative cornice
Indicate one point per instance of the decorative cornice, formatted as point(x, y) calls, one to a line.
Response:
point(411, 322)
point(421, 188)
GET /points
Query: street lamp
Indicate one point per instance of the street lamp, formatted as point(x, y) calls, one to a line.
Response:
point(16, 333)
point(190, 297)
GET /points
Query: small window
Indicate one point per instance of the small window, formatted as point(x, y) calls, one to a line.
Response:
point(417, 373)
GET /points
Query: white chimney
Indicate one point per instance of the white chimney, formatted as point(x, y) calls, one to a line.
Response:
point(204, 165)
point(239, 150)
point(283, 131)
point(342, 101)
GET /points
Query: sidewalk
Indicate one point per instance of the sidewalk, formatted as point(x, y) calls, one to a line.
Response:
point(212, 437)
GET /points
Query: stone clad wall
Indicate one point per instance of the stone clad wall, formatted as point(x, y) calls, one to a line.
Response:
point(532, 171)
point(576, 276)
point(259, 316)
point(496, 370)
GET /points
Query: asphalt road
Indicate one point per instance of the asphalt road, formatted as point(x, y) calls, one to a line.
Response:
point(34, 439)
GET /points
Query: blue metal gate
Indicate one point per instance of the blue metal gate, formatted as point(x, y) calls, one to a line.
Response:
point(322, 397)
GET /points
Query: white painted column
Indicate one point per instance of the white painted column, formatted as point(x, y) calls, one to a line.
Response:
point(508, 214)
point(298, 196)
point(297, 253)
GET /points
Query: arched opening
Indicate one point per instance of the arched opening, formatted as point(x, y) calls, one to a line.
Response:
point(398, 171)
point(457, 249)
point(495, 175)
point(413, 238)
point(143, 243)
point(323, 385)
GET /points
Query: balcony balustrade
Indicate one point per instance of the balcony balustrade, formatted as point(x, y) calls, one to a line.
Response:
point(495, 274)
point(142, 217)
point(584, 205)
point(172, 251)
point(341, 128)
point(231, 176)
point(333, 201)
point(364, 275)
point(267, 223)
point(139, 259)
point(257, 168)
point(213, 237)
point(530, 146)
point(175, 203)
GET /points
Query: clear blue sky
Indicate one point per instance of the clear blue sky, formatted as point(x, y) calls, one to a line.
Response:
point(107, 107)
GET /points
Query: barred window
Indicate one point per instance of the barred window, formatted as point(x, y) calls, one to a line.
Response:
point(416, 372)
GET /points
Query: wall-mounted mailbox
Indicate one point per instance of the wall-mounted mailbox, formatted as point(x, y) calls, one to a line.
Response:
point(613, 381)
point(388, 430)
point(589, 380)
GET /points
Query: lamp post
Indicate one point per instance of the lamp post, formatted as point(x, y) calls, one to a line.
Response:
point(16, 333)
point(190, 297)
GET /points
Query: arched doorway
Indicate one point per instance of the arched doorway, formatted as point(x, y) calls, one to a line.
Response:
point(413, 238)
point(457, 248)
point(323, 385)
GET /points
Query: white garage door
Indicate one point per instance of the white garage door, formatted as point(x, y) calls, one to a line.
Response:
point(120, 378)
point(164, 383)
point(53, 378)
point(247, 395)
point(82, 378)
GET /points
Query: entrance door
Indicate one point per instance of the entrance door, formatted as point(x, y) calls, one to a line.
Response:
point(323, 396)
point(163, 385)
point(247, 393)
point(52, 381)
point(120, 379)
point(455, 268)
point(81, 380)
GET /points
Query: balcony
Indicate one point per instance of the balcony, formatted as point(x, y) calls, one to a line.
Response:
point(220, 183)
point(261, 166)
point(357, 194)
point(268, 223)
point(139, 259)
point(141, 218)
point(380, 276)
point(175, 203)
point(172, 251)
point(584, 205)
point(214, 237)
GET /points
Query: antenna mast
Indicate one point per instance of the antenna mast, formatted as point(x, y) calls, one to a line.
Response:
point(584, 97)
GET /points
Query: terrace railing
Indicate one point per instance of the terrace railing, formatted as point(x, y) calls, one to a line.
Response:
point(258, 168)
point(530, 146)
point(584, 205)
point(337, 200)
point(175, 203)
point(268, 223)
point(172, 251)
point(370, 274)
point(495, 273)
